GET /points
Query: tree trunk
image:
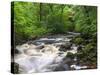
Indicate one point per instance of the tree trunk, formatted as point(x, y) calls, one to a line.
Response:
point(40, 11)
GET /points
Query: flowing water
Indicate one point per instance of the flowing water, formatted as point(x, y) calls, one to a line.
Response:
point(44, 55)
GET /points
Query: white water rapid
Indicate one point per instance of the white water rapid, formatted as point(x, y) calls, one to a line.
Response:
point(43, 55)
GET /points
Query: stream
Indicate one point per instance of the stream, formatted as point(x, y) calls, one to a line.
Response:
point(47, 54)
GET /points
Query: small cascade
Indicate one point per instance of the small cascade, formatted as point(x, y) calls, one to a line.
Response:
point(44, 55)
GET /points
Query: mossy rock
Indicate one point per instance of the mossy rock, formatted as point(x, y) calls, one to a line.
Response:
point(65, 47)
point(14, 68)
point(89, 47)
point(88, 54)
point(78, 41)
point(70, 55)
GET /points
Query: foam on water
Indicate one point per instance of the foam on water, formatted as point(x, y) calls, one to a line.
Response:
point(35, 58)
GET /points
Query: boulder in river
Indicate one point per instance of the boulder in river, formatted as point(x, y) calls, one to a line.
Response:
point(65, 47)
point(62, 67)
point(40, 47)
point(80, 47)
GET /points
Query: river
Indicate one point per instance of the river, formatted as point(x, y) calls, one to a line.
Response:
point(46, 54)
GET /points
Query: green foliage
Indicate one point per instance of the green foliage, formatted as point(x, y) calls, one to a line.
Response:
point(70, 55)
point(78, 41)
point(86, 19)
point(55, 24)
point(37, 19)
point(40, 31)
point(88, 54)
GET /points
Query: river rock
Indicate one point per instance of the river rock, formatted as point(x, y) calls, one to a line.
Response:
point(17, 51)
point(79, 47)
point(14, 68)
point(65, 47)
point(40, 47)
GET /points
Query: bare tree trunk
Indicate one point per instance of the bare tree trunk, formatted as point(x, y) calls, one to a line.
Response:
point(62, 8)
point(40, 11)
point(51, 7)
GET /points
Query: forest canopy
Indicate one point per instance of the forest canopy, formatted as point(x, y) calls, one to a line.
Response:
point(36, 19)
